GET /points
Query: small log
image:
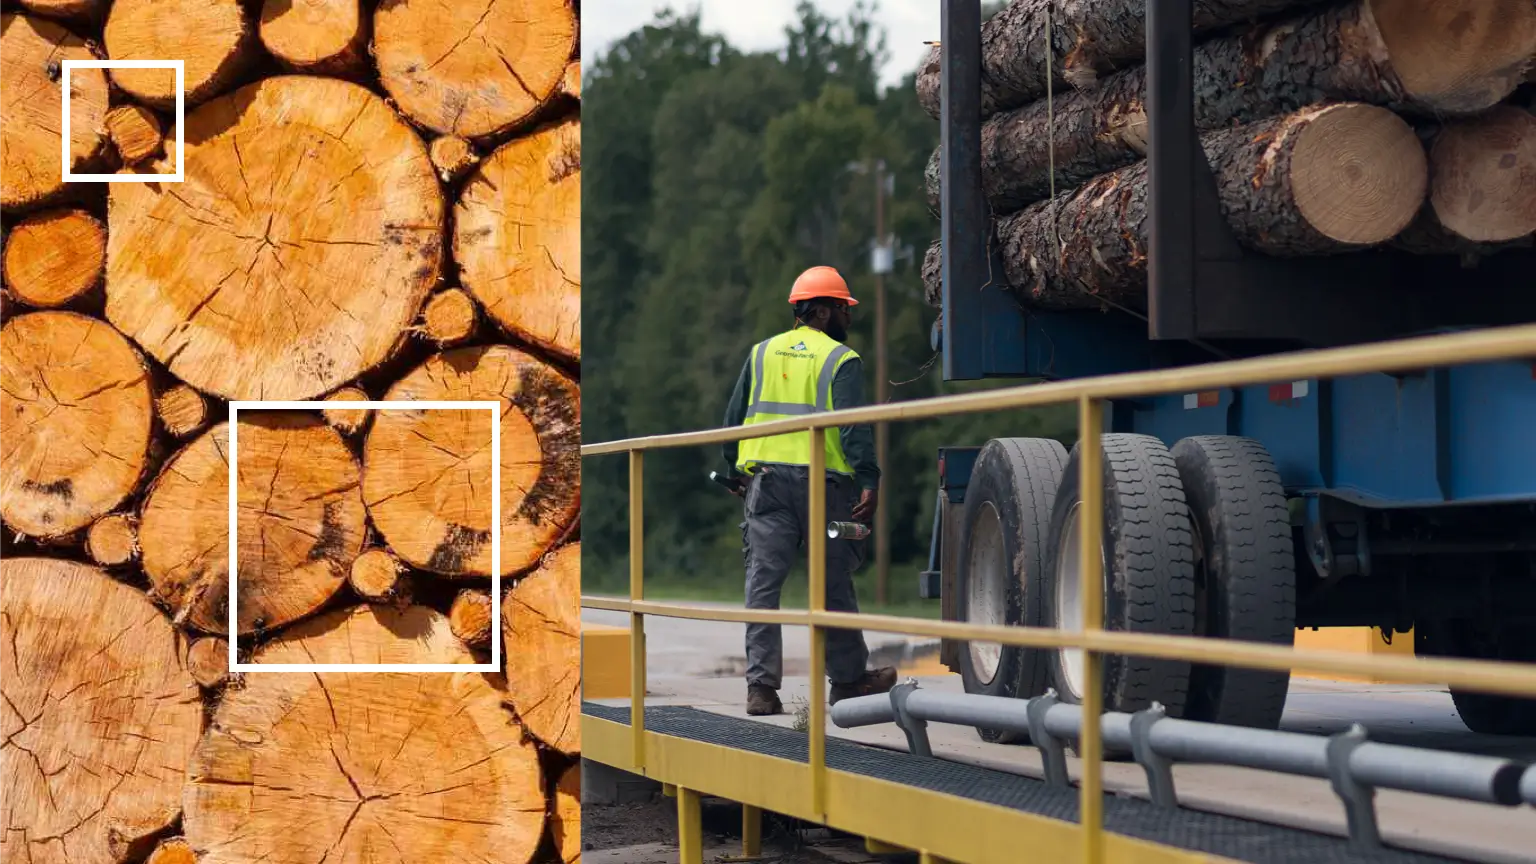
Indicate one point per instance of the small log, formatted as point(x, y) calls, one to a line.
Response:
point(1326, 179)
point(113, 540)
point(32, 51)
point(427, 474)
point(99, 716)
point(570, 85)
point(172, 850)
point(565, 815)
point(449, 317)
point(453, 157)
point(54, 256)
point(77, 412)
point(428, 767)
point(208, 661)
point(517, 237)
point(320, 37)
point(541, 627)
point(348, 421)
point(212, 38)
point(470, 618)
point(378, 577)
point(310, 269)
point(182, 410)
point(472, 71)
point(300, 517)
point(135, 131)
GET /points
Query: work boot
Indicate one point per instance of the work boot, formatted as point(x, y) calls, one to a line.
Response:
point(874, 681)
point(763, 700)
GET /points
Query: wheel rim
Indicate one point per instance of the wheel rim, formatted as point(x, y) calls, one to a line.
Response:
point(985, 599)
point(1069, 600)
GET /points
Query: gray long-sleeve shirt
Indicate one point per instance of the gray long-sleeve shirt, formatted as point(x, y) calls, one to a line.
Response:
point(847, 392)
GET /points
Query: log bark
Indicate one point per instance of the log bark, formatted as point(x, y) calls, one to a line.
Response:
point(113, 540)
point(54, 256)
point(319, 227)
point(453, 157)
point(379, 577)
point(300, 517)
point(182, 410)
point(321, 37)
point(99, 719)
point(32, 51)
point(77, 412)
point(449, 317)
point(212, 38)
point(541, 627)
point(208, 661)
point(1325, 179)
point(428, 767)
point(470, 618)
point(1482, 175)
point(427, 474)
point(474, 71)
point(565, 815)
point(517, 237)
point(135, 132)
point(347, 421)
point(1341, 53)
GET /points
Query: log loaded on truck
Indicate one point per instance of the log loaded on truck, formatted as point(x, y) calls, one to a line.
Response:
point(1197, 180)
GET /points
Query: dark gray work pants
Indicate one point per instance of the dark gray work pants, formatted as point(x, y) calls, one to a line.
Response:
point(774, 534)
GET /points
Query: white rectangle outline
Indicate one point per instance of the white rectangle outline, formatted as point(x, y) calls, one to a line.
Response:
point(494, 407)
point(181, 116)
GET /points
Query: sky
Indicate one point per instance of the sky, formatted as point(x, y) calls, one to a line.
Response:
point(759, 25)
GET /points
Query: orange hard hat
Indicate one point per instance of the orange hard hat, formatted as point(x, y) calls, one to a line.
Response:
point(821, 282)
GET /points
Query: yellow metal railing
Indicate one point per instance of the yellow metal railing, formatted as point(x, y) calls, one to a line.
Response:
point(1514, 679)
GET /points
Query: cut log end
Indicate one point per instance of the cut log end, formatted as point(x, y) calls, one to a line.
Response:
point(1483, 176)
point(541, 627)
point(449, 317)
point(565, 818)
point(470, 618)
point(1458, 56)
point(31, 51)
point(379, 577)
point(182, 410)
point(75, 11)
point(347, 421)
point(208, 661)
point(54, 256)
point(452, 156)
point(136, 133)
point(174, 850)
point(316, 36)
point(113, 541)
point(212, 59)
point(1358, 173)
point(570, 85)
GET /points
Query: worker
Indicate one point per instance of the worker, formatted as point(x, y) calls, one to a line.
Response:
point(803, 370)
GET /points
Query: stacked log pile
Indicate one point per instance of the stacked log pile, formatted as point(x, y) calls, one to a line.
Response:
point(1330, 127)
point(379, 203)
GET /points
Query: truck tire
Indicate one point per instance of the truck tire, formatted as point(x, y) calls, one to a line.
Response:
point(1007, 514)
point(1485, 713)
point(1245, 574)
point(1149, 573)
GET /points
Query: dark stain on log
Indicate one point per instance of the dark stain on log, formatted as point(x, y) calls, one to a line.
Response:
point(64, 489)
point(333, 535)
point(458, 546)
point(545, 399)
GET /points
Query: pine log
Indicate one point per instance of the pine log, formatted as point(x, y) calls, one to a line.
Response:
point(182, 410)
point(1326, 179)
point(84, 12)
point(379, 577)
point(427, 474)
point(99, 719)
point(208, 661)
point(319, 230)
point(300, 519)
point(470, 618)
point(565, 815)
point(32, 51)
point(470, 70)
point(541, 627)
point(422, 767)
point(113, 540)
point(54, 256)
point(322, 37)
point(348, 421)
point(77, 414)
point(172, 850)
point(453, 157)
point(135, 131)
point(1482, 173)
point(1337, 53)
point(212, 38)
point(570, 85)
point(517, 237)
point(449, 317)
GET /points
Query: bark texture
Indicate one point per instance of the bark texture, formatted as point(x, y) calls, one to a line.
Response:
point(213, 39)
point(541, 625)
point(32, 51)
point(54, 256)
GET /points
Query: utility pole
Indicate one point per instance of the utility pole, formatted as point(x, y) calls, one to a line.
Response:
point(882, 261)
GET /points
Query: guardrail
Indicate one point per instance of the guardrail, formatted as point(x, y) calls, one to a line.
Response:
point(1090, 394)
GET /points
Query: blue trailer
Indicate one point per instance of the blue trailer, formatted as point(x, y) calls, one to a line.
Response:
point(1404, 502)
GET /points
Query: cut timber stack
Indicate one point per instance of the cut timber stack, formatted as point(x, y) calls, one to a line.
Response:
point(1331, 91)
point(307, 255)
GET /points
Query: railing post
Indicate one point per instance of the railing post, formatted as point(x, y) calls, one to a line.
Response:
point(690, 827)
point(636, 593)
point(1090, 460)
point(817, 544)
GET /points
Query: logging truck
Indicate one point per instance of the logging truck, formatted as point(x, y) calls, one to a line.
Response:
point(1305, 211)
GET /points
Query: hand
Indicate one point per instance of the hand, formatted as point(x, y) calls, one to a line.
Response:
point(864, 511)
point(739, 487)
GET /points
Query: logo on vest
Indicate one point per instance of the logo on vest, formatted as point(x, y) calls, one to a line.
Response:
point(798, 346)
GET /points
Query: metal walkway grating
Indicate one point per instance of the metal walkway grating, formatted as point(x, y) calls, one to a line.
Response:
point(1227, 836)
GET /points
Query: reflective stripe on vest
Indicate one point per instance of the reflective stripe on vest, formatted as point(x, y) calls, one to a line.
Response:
point(792, 376)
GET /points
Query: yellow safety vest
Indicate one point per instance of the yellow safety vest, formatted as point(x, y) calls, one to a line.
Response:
point(792, 376)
